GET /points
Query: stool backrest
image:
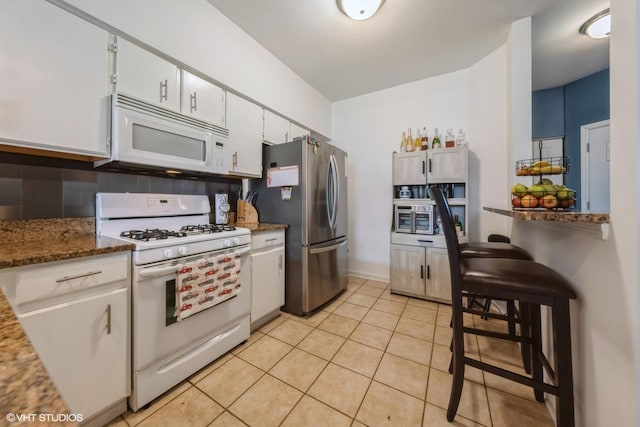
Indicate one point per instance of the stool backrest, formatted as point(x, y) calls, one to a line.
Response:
point(453, 249)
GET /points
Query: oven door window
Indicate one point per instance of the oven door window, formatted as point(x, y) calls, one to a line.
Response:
point(424, 224)
point(170, 304)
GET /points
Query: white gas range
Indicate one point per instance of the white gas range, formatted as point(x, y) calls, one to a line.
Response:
point(190, 285)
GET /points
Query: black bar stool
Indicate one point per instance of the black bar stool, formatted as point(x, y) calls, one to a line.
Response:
point(533, 285)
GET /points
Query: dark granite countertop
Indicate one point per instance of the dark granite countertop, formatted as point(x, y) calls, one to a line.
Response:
point(25, 385)
point(553, 215)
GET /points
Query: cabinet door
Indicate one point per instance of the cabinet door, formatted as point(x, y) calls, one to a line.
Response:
point(202, 99)
point(447, 165)
point(146, 76)
point(408, 269)
point(54, 69)
point(410, 168)
point(297, 131)
point(276, 129)
point(244, 121)
point(84, 345)
point(438, 286)
point(267, 282)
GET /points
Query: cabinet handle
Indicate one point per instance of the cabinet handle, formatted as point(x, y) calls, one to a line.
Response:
point(67, 278)
point(280, 262)
point(109, 319)
point(193, 102)
point(422, 271)
point(286, 137)
point(429, 165)
point(235, 159)
point(423, 168)
point(428, 272)
point(163, 90)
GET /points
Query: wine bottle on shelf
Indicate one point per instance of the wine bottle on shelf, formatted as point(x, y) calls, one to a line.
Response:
point(409, 141)
point(417, 143)
point(425, 138)
point(460, 138)
point(436, 140)
point(457, 223)
point(403, 143)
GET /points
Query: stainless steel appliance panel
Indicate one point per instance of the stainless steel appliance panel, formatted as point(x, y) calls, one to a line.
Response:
point(326, 273)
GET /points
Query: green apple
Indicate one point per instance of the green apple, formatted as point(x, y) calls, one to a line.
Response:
point(537, 190)
point(519, 190)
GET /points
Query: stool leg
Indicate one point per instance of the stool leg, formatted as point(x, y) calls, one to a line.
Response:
point(486, 307)
point(535, 327)
point(562, 355)
point(457, 361)
point(525, 331)
point(511, 313)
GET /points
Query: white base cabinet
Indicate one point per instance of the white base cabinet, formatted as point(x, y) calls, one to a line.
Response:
point(267, 276)
point(76, 315)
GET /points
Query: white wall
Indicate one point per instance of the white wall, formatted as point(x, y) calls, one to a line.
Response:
point(604, 273)
point(197, 34)
point(369, 128)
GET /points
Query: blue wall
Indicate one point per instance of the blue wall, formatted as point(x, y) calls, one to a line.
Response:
point(585, 101)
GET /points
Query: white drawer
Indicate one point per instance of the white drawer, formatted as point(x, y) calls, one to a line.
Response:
point(266, 239)
point(53, 279)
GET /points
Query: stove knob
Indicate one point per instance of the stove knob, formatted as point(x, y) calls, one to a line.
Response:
point(226, 243)
point(182, 250)
point(236, 240)
point(168, 253)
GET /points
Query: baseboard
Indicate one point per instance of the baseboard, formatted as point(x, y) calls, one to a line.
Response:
point(369, 276)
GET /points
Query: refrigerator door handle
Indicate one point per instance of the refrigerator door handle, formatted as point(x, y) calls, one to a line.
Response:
point(329, 194)
point(327, 248)
point(333, 169)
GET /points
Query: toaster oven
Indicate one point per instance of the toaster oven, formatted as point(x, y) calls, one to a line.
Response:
point(415, 219)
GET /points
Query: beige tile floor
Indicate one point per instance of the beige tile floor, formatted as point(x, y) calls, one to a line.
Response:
point(370, 358)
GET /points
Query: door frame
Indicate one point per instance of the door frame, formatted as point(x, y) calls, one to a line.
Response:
point(584, 160)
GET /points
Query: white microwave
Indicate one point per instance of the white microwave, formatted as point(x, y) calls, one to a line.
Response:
point(146, 136)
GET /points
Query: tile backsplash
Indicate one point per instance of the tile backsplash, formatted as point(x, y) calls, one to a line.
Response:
point(34, 188)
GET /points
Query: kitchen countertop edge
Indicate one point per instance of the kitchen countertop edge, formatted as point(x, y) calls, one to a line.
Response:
point(263, 226)
point(551, 215)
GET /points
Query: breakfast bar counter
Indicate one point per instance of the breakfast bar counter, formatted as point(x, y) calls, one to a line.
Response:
point(593, 223)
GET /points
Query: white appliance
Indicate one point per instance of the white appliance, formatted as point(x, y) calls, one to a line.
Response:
point(190, 285)
point(149, 137)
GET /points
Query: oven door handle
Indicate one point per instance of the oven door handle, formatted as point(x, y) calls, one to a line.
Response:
point(157, 271)
point(243, 251)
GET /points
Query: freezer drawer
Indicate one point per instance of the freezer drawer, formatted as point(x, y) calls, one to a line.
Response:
point(327, 273)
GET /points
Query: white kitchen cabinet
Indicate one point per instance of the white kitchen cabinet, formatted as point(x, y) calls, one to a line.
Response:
point(277, 129)
point(244, 121)
point(76, 315)
point(410, 168)
point(297, 131)
point(447, 165)
point(267, 276)
point(54, 69)
point(146, 76)
point(203, 99)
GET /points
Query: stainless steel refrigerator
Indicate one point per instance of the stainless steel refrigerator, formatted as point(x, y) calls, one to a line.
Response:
point(315, 210)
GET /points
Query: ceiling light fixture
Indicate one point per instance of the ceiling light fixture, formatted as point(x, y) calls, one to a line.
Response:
point(359, 9)
point(598, 26)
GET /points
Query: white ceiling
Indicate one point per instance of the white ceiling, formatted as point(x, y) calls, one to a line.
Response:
point(410, 40)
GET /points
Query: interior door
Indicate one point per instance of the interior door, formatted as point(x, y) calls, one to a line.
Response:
point(595, 161)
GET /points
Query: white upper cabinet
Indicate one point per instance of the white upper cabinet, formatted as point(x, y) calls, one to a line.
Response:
point(54, 69)
point(277, 129)
point(244, 121)
point(202, 99)
point(297, 131)
point(146, 76)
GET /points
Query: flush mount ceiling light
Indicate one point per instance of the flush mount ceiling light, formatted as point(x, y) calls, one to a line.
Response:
point(359, 9)
point(598, 26)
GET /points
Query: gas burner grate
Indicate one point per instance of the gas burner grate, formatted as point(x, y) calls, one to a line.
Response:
point(152, 234)
point(206, 228)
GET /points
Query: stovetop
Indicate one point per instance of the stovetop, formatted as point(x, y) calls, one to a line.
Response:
point(185, 231)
